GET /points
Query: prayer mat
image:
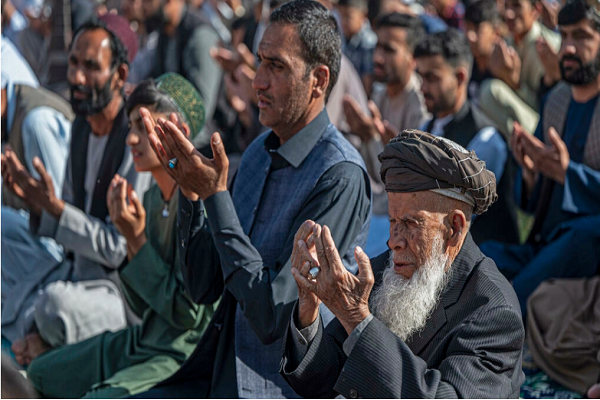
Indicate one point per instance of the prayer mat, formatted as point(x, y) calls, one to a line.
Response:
point(538, 385)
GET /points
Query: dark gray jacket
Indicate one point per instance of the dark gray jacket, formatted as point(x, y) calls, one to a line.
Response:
point(470, 348)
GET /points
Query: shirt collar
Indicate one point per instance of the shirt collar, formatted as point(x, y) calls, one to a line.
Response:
point(299, 146)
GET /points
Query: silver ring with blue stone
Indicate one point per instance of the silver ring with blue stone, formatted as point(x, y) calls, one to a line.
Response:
point(172, 163)
point(313, 273)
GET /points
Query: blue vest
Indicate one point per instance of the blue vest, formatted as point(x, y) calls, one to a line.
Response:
point(267, 203)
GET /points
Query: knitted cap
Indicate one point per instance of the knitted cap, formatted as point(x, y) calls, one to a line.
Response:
point(186, 98)
point(121, 29)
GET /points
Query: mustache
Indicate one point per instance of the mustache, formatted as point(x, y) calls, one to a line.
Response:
point(83, 89)
point(571, 58)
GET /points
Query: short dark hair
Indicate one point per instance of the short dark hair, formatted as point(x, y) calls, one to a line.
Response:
point(452, 45)
point(362, 5)
point(412, 25)
point(146, 93)
point(576, 10)
point(482, 11)
point(118, 49)
point(318, 32)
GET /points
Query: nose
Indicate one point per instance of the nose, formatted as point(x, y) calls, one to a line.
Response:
point(260, 81)
point(378, 56)
point(132, 138)
point(397, 240)
point(75, 76)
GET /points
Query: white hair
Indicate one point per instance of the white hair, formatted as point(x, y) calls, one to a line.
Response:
point(404, 305)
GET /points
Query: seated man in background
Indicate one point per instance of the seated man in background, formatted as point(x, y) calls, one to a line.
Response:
point(36, 123)
point(441, 322)
point(514, 94)
point(124, 363)
point(482, 21)
point(444, 62)
point(560, 167)
point(86, 299)
point(397, 104)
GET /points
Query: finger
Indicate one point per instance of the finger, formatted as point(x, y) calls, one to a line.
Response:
point(333, 256)
point(219, 156)
point(374, 110)
point(320, 248)
point(305, 255)
point(165, 140)
point(304, 283)
point(137, 203)
point(178, 141)
point(304, 231)
point(365, 272)
point(556, 141)
point(45, 177)
point(306, 266)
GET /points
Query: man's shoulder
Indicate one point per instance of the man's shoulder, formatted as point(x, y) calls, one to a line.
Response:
point(488, 289)
point(337, 146)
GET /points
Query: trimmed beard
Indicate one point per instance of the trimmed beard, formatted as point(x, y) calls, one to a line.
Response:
point(585, 74)
point(405, 305)
point(97, 99)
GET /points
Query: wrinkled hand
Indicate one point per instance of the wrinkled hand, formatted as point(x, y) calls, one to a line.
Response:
point(304, 257)
point(38, 194)
point(549, 59)
point(195, 174)
point(346, 295)
point(505, 64)
point(129, 219)
point(551, 161)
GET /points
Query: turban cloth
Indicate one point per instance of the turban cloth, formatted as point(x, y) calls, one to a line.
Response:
point(186, 99)
point(416, 161)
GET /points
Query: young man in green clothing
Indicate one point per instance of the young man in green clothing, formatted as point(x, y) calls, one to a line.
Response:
point(130, 361)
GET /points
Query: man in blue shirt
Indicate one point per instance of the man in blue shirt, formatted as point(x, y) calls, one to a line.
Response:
point(444, 62)
point(560, 167)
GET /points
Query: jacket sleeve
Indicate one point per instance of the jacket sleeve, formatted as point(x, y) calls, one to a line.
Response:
point(157, 283)
point(479, 362)
point(265, 293)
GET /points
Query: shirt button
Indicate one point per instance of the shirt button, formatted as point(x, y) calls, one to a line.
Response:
point(98, 182)
point(353, 394)
point(302, 341)
point(182, 242)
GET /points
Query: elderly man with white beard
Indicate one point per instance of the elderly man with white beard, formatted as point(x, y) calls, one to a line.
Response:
point(441, 320)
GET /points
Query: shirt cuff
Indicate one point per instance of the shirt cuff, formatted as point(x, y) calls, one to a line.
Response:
point(351, 340)
point(190, 215)
point(46, 225)
point(302, 338)
point(220, 212)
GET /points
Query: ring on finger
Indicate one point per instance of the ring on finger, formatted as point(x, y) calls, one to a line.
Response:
point(172, 162)
point(313, 273)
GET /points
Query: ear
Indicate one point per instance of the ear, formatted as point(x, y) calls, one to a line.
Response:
point(457, 223)
point(462, 75)
point(537, 9)
point(321, 81)
point(122, 73)
point(186, 130)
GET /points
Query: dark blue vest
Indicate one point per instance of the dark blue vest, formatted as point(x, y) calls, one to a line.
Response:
point(267, 203)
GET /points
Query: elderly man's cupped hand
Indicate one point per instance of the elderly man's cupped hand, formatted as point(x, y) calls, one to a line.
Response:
point(196, 175)
point(346, 295)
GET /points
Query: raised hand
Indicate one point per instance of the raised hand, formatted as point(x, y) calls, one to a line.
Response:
point(551, 161)
point(38, 194)
point(194, 173)
point(549, 59)
point(304, 257)
point(360, 123)
point(129, 217)
point(345, 294)
point(505, 64)
point(524, 161)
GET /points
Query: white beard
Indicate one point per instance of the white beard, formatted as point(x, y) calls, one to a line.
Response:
point(404, 305)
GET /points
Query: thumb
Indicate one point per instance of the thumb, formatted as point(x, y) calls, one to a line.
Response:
point(556, 141)
point(374, 110)
point(45, 178)
point(365, 272)
point(219, 155)
point(135, 200)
